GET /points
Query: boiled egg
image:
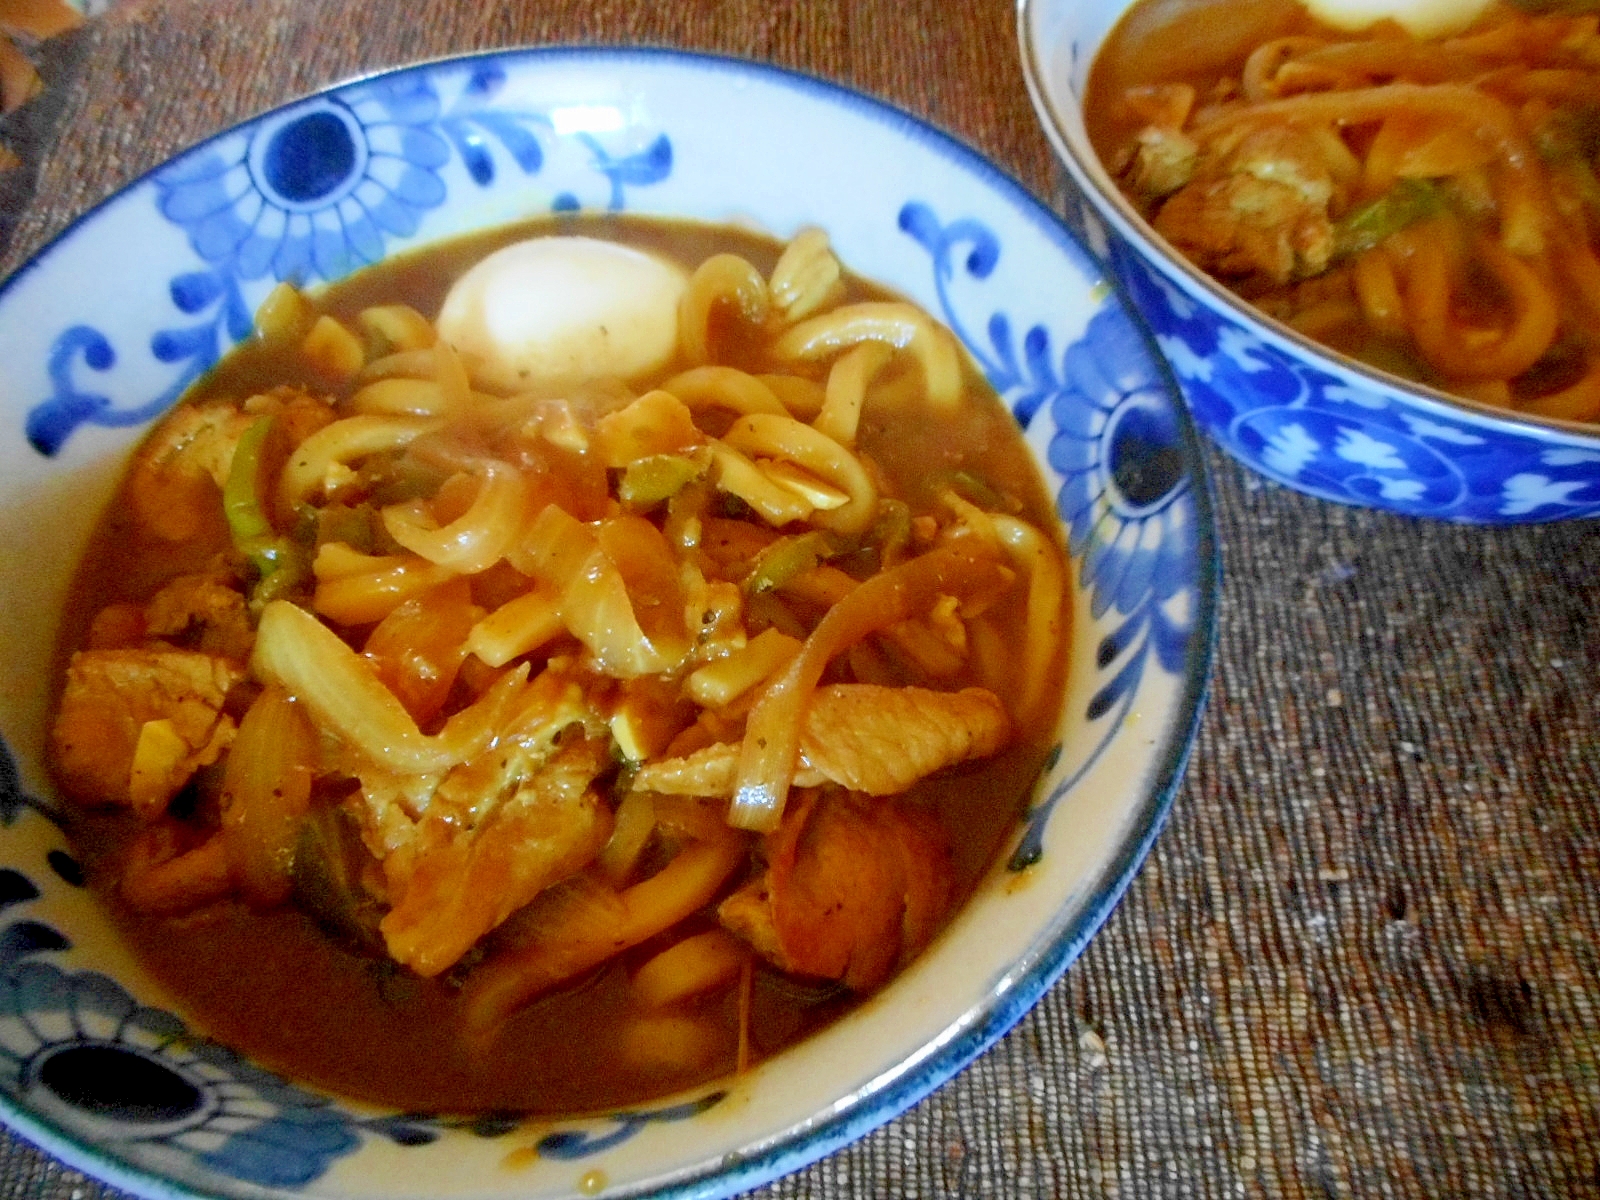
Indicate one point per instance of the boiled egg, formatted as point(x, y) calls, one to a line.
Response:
point(555, 312)
point(1420, 18)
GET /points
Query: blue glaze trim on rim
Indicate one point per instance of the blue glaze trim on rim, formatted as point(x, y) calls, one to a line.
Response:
point(92, 1162)
point(1020, 989)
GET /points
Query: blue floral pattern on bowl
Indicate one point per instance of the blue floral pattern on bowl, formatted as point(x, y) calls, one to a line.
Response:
point(1310, 430)
point(308, 194)
point(358, 173)
point(78, 1047)
point(1126, 495)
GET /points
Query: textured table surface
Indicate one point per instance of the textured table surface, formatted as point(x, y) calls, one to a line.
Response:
point(1364, 957)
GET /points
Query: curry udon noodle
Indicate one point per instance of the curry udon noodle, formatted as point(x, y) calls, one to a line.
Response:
point(1431, 207)
point(471, 745)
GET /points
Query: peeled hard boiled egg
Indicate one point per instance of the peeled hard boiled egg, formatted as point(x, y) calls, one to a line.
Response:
point(554, 312)
point(1420, 18)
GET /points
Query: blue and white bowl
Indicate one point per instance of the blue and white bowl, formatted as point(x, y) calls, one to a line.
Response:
point(105, 328)
point(1311, 419)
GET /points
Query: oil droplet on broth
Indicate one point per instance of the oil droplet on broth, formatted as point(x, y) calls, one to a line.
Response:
point(592, 1183)
point(521, 1158)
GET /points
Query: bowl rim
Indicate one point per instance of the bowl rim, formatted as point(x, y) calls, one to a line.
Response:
point(1091, 176)
point(1054, 947)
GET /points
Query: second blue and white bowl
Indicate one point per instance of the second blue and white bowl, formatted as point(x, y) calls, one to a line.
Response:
point(1292, 410)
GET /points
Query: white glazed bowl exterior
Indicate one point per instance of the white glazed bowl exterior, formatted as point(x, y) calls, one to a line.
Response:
point(101, 331)
point(1309, 419)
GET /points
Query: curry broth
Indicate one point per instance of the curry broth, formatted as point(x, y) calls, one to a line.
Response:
point(275, 986)
point(1178, 41)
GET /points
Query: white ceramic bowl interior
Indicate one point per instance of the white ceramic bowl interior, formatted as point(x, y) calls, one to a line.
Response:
point(106, 326)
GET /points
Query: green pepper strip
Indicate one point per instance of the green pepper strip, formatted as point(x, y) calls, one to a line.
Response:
point(280, 564)
point(973, 488)
point(649, 481)
point(353, 525)
point(241, 494)
point(1366, 226)
point(788, 557)
point(891, 531)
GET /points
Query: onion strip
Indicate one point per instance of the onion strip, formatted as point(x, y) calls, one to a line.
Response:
point(771, 743)
point(266, 793)
point(309, 661)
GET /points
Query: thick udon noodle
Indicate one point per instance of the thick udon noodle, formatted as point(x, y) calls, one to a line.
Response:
point(528, 681)
point(1431, 207)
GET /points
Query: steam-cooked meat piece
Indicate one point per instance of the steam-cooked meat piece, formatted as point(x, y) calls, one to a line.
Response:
point(881, 740)
point(709, 771)
point(203, 611)
point(1163, 160)
point(177, 475)
point(170, 869)
point(868, 738)
point(390, 807)
point(160, 710)
point(460, 880)
point(1256, 207)
point(748, 913)
point(854, 887)
point(299, 413)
